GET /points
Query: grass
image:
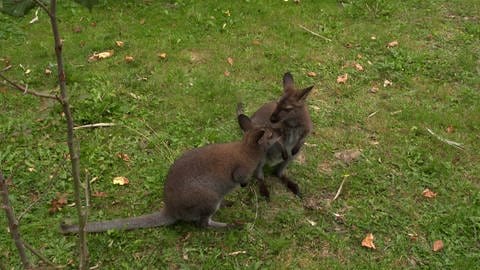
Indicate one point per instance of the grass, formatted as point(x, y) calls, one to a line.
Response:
point(165, 106)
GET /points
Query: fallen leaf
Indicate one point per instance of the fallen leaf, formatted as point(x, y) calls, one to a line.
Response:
point(373, 37)
point(230, 61)
point(392, 44)
point(119, 43)
point(374, 89)
point(311, 74)
point(77, 29)
point(48, 71)
point(129, 58)
point(427, 193)
point(342, 78)
point(368, 241)
point(162, 55)
point(124, 157)
point(256, 42)
point(450, 129)
point(57, 203)
point(348, 156)
point(226, 73)
point(358, 67)
point(359, 56)
point(94, 24)
point(142, 21)
point(120, 180)
point(99, 194)
point(325, 167)
point(437, 245)
point(387, 83)
point(413, 236)
point(102, 55)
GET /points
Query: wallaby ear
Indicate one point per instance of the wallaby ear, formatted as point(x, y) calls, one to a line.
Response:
point(304, 93)
point(244, 122)
point(259, 135)
point(288, 83)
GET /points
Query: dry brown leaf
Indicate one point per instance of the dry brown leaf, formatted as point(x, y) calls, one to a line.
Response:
point(348, 156)
point(387, 83)
point(120, 180)
point(374, 89)
point(437, 245)
point(358, 67)
point(119, 43)
point(230, 61)
point(226, 73)
point(256, 42)
point(450, 129)
point(102, 55)
point(129, 58)
point(342, 78)
point(311, 74)
point(162, 55)
point(392, 44)
point(57, 203)
point(142, 21)
point(48, 71)
point(427, 193)
point(124, 157)
point(368, 241)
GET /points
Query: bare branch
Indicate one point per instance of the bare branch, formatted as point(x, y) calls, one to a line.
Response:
point(26, 91)
point(44, 7)
point(39, 255)
point(12, 222)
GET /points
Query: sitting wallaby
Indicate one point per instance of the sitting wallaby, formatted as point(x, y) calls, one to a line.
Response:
point(291, 116)
point(197, 182)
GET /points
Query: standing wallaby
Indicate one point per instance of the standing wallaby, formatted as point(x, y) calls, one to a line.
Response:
point(197, 182)
point(291, 117)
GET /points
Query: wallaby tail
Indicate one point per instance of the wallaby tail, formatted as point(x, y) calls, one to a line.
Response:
point(243, 120)
point(146, 221)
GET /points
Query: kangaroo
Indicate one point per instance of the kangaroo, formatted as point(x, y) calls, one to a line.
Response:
point(197, 182)
point(290, 115)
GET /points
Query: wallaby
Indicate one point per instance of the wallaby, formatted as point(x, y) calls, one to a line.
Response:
point(197, 182)
point(290, 115)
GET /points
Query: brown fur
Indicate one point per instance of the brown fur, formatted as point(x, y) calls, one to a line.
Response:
point(197, 182)
point(290, 115)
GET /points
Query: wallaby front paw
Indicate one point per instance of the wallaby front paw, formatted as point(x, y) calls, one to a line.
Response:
point(293, 187)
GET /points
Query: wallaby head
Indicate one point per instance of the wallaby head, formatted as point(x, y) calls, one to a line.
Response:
point(291, 104)
point(260, 137)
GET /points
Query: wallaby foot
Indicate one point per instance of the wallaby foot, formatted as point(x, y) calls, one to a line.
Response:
point(207, 222)
point(291, 185)
point(264, 190)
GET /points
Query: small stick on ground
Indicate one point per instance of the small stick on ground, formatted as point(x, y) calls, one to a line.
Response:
point(339, 188)
point(314, 33)
point(452, 143)
point(13, 223)
point(95, 125)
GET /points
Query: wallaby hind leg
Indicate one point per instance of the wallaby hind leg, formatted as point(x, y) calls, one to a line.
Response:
point(289, 183)
point(262, 186)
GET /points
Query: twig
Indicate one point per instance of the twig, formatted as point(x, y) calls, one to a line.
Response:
point(39, 255)
point(6, 68)
point(95, 125)
point(73, 151)
point(314, 33)
point(44, 7)
point(26, 91)
point(340, 188)
point(372, 114)
point(452, 143)
point(13, 223)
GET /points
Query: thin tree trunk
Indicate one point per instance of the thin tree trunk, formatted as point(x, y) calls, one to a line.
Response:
point(12, 222)
point(74, 156)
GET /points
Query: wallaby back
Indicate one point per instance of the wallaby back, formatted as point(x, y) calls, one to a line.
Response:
point(197, 182)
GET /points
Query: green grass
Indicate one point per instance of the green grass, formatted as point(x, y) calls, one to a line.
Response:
point(165, 106)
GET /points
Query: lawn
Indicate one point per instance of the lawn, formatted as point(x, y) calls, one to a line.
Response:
point(412, 66)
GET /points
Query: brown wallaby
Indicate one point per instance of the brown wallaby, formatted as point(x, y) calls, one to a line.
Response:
point(197, 182)
point(290, 115)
